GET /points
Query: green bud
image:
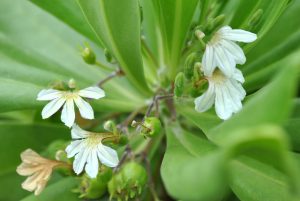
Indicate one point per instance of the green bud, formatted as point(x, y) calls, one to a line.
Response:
point(199, 34)
point(110, 126)
point(72, 84)
point(97, 187)
point(54, 147)
point(179, 84)
point(88, 55)
point(128, 182)
point(218, 22)
point(151, 127)
point(189, 65)
point(255, 19)
point(197, 71)
point(108, 56)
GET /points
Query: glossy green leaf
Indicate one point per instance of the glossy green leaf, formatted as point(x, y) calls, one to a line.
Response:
point(273, 47)
point(262, 159)
point(29, 64)
point(68, 12)
point(15, 138)
point(61, 190)
point(120, 34)
point(175, 18)
point(205, 121)
point(195, 164)
point(292, 127)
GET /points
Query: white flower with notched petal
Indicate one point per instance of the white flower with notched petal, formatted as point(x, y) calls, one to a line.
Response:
point(67, 98)
point(222, 51)
point(87, 148)
point(226, 93)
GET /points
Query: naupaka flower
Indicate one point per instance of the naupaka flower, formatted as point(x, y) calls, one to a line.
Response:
point(38, 170)
point(66, 99)
point(87, 148)
point(222, 51)
point(225, 92)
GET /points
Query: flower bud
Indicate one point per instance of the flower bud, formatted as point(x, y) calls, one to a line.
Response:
point(88, 55)
point(179, 84)
point(129, 182)
point(108, 56)
point(110, 126)
point(189, 65)
point(151, 127)
point(72, 84)
point(97, 187)
point(199, 34)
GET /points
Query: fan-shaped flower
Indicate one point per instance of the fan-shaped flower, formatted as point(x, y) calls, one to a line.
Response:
point(226, 93)
point(66, 99)
point(87, 148)
point(222, 51)
point(38, 170)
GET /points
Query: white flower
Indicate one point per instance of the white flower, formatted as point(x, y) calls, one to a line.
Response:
point(67, 98)
point(38, 170)
point(225, 92)
point(222, 51)
point(87, 148)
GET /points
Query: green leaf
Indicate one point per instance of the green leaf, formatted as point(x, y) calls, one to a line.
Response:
point(266, 106)
point(68, 12)
point(60, 190)
point(15, 138)
point(261, 77)
point(33, 55)
point(120, 34)
point(262, 159)
point(205, 121)
point(273, 46)
point(252, 180)
point(175, 18)
point(192, 169)
point(292, 127)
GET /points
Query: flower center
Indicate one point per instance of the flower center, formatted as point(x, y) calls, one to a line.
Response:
point(70, 95)
point(218, 77)
point(94, 140)
point(215, 39)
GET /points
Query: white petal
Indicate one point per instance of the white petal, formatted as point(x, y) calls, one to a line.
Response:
point(108, 156)
point(74, 148)
point(234, 102)
point(208, 61)
point(80, 160)
point(204, 102)
point(68, 113)
point(234, 50)
point(92, 166)
point(92, 92)
point(52, 107)
point(239, 90)
point(238, 75)
point(238, 35)
point(49, 94)
point(225, 62)
point(78, 133)
point(85, 108)
point(222, 104)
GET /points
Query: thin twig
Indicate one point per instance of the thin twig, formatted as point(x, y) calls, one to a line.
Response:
point(116, 73)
